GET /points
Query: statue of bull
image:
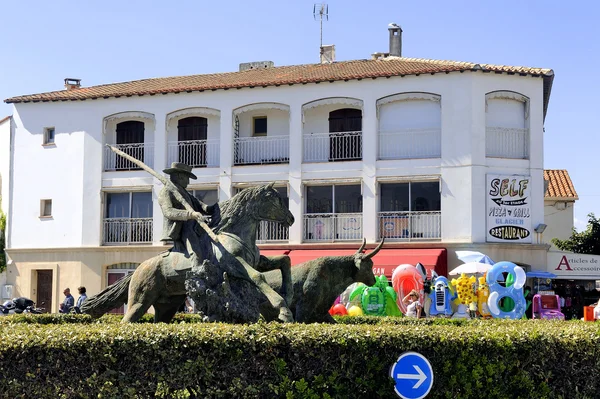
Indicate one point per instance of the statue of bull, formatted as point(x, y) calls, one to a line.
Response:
point(318, 282)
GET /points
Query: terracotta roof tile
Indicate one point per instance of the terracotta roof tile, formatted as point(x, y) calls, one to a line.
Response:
point(284, 75)
point(559, 184)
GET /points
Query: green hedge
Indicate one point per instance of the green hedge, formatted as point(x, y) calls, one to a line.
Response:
point(470, 359)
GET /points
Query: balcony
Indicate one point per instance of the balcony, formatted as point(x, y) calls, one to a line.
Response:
point(271, 232)
point(506, 142)
point(195, 153)
point(126, 231)
point(261, 150)
point(410, 226)
point(333, 147)
point(330, 227)
point(410, 144)
point(142, 151)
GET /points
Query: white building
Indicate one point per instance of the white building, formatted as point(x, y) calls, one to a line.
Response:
point(402, 148)
point(559, 203)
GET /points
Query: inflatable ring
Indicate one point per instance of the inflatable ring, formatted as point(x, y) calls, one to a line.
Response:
point(406, 278)
point(514, 292)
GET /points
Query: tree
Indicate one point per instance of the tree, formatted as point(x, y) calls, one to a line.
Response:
point(586, 242)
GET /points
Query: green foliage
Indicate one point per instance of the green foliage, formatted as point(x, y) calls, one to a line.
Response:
point(470, 358)
point(585, 242)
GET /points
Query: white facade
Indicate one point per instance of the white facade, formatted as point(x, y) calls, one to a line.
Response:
point(559, 218)
point(5, 140)
point(427, 128)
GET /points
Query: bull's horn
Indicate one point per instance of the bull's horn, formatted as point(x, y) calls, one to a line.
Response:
point(362, 246)
point(270, 185)
point(374, 252)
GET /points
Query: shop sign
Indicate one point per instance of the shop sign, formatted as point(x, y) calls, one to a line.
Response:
point(508, 207)
point(567, 264)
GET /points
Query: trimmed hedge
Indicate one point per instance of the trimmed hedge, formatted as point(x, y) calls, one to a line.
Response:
point(470, 359)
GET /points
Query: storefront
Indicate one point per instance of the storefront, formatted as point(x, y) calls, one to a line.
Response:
point(577, 281)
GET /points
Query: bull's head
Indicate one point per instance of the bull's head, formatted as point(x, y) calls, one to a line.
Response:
point(364, 264)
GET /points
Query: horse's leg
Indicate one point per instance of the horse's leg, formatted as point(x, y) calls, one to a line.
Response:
point(276, 301)
point(164, 312)
point(283, 263)
point(144, 289)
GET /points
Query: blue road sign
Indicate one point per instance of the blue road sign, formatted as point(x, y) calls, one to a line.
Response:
point(413, 375)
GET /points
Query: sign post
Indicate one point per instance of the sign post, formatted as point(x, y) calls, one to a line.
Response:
point(413, 375)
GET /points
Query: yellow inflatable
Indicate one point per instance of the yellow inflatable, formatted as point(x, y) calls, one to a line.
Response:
point(355, 311)
point(483, 292)
point(465, 287)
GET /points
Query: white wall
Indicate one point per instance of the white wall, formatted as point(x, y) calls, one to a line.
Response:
point(75, 181)
point(559, 219)
point(5, 135)
point(278, 122)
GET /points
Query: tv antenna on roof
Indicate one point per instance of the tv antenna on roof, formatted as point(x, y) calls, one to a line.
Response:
point(322, 10)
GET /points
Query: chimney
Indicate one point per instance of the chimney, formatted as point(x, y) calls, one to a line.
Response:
point(71, 84)
point(395, 40)
point(246, 66)
point(327, 53)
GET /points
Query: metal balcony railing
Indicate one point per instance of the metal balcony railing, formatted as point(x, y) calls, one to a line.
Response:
point(271, 231)
point(142, 151)
point(195, 153)
point(410, 144)
point(410, 225)
point(332, 147)
point(125, 231)
point(261, 150)
point(333, 227)
point(507, 142)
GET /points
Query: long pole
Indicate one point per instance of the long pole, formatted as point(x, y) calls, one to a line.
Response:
point(169, 186)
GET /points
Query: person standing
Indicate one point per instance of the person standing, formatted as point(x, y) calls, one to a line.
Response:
point(414, 306)
point(68, 303)
point(82, 297)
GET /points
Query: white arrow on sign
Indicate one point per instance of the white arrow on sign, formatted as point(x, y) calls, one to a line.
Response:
point(421, 377)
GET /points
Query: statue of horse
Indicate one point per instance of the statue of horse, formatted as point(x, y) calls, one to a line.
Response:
point(160, 281)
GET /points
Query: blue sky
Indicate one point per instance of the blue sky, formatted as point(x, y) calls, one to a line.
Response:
point(110, 41)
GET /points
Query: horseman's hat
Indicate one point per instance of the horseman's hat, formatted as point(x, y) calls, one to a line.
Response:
point(178, 167)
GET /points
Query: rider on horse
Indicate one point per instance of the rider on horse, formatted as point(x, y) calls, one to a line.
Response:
point(180, 225)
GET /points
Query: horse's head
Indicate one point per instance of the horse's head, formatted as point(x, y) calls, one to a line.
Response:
point(364, 264)
point(270, 206)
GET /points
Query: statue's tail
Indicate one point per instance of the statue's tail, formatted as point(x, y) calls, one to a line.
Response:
point(110, 298)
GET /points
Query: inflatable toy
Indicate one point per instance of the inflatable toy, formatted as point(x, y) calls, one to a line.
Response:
point(406, 278)
point(355, 311)
point(345, 296)
point(514, 291)
point(378, 300)
point(465, 289)
point(547, 307)
point(441, 303)
point(461, 312)
point(483, 293)
point(338, 310)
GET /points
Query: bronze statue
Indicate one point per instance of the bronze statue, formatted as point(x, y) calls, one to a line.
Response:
point(227, 246)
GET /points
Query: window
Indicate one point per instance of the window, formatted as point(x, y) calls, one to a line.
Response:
point(128, 218)
point(191, 136)
point(410, 210)
point(333, 213)
point(334, 199)
point(209, 197)
point(259, 126)
point(48, 135)
point(410, 197)
point(130, 140)
point(46, 208)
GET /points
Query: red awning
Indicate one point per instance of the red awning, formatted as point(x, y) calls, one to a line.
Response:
point(303, 255)
point(388, 259)
point(274, 252)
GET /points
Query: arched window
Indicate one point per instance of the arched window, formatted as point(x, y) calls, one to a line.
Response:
point(345, 134)
point(191, 137)
point(130, 140)
point(507, 125)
